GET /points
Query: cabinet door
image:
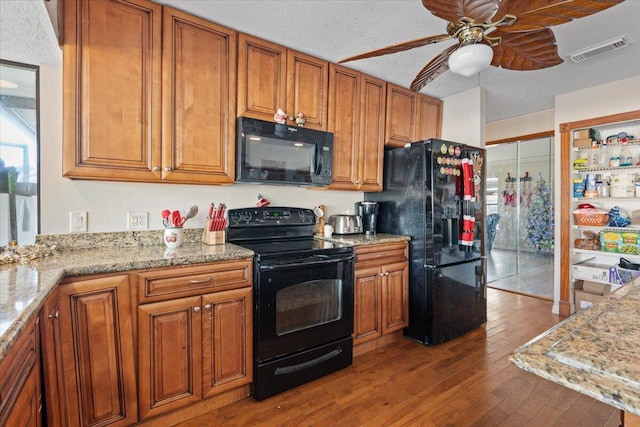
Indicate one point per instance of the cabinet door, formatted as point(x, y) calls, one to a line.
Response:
point(112, 100)
point(371, 146)
point(25, 411)
point(169, 355)
point(20, 399)
point(97, 351)
point(52, 367)
point(227, 358)
point(198, 105)
point(395, 297)
point(262, 77)
point(344, 116)
point(307, 88)
point(400, 117)
point(429, 120)
point(367, 312)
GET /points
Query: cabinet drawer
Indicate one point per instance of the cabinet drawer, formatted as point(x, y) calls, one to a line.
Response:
point(176, 282)
point(15, 369)
point(382, 253)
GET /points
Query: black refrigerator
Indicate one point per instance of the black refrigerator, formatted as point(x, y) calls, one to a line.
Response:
point(434, 192)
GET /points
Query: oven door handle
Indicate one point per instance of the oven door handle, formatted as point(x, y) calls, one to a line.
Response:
point(313, 260)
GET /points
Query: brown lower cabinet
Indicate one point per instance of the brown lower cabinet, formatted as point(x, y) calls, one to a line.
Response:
point(89, 369)
point(194, 342)
point(381, 294)
point(193, 348)
point(20, 395)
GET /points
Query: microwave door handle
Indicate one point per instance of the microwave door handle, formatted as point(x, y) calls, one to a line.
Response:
point(317, 159)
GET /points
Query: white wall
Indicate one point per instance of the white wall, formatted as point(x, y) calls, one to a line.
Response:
point(527, 124)
point(463, 117)
point(107, 203)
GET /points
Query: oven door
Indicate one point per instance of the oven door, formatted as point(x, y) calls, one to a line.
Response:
point(302, 303)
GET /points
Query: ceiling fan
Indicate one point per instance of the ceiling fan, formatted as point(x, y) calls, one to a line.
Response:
point(518, 40)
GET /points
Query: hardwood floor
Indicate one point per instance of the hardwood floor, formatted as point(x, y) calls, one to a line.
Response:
point(468, 381)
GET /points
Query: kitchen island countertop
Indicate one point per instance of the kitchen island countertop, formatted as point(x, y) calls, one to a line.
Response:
point(594, 352)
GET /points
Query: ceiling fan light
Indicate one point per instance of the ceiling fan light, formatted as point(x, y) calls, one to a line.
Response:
point(470, 59)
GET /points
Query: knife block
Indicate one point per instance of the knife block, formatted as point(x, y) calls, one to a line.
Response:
point(213, 237)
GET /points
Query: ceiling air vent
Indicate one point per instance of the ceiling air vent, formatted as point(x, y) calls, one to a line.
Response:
point(597, 49)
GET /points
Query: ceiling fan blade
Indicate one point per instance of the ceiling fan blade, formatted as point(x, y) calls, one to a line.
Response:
point(400, 47)
point(433, 69)
point(452, 10)
point(537, 14)
point(531, 50)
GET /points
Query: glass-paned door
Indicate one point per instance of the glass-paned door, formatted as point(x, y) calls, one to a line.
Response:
point(520, 225)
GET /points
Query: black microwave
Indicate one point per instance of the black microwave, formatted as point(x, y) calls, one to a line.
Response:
point(274, 153)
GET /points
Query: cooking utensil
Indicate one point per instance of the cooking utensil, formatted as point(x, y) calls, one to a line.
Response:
point(165, 217)
point(193, 211)
point(176, 218)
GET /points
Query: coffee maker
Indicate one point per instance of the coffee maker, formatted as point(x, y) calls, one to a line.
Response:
point(369, 213)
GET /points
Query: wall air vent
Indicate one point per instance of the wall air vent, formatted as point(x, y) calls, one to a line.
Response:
point(597, 49)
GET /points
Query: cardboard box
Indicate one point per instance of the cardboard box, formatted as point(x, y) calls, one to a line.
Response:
point(584, 142)
point(586, 299)
point(588, 292)
point(589, 270)
point(587, 133)
point(581, 134)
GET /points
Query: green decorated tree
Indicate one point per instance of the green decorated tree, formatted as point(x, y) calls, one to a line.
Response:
point(540, 226)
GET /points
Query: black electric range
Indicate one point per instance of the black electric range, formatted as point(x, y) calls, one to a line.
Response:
point(303, 293)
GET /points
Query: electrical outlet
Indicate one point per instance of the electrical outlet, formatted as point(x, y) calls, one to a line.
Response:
point(78, 222)
point(137, 220)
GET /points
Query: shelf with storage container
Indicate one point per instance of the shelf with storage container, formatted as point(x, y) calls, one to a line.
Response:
point(602, 182)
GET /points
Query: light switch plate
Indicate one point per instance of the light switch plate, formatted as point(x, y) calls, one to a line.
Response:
point(78, 222)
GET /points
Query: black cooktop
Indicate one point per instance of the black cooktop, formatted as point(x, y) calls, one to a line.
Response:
point(295, 248)
point(279, 233)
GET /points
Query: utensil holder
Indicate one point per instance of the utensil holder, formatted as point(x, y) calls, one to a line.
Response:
point(213, 237)
point(173, 237)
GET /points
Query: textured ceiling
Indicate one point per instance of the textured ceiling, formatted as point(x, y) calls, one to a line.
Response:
point(26, 33)
point(335, 29)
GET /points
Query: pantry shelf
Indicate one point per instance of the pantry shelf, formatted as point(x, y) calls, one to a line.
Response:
point(634, 258)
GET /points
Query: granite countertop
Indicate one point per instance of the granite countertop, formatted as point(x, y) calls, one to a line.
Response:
point(25, 286)
point(594, 352)
point(365, 239)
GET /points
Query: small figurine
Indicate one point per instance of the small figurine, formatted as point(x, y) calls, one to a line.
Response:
point(280, 116)
point(300, 119)
point(262, 201)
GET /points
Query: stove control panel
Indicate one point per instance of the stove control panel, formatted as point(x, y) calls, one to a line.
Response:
point(274, 216)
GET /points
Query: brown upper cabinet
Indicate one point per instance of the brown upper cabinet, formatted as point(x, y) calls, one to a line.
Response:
point(411, 116)
point(429, 118)
point(138, 109)
point(151, 94)
point(271, 76)
point(356, 118)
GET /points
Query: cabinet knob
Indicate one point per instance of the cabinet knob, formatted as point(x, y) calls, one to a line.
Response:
point(386, 273)
point(167, 168)
point(54, 315)
point(156, 168)
point(207, 307)
point(196, 309)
